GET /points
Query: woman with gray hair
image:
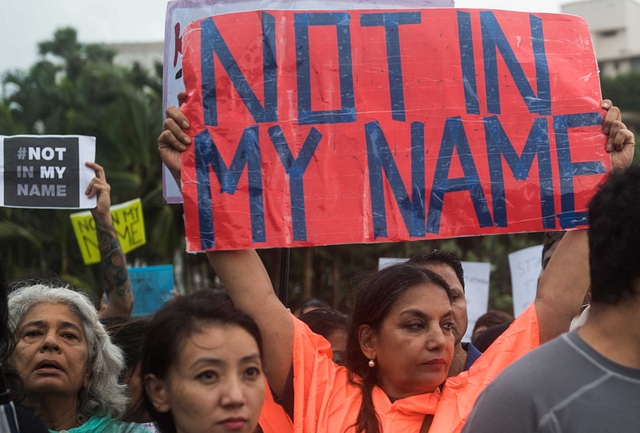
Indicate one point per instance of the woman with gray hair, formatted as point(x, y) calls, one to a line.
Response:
point(68, 364)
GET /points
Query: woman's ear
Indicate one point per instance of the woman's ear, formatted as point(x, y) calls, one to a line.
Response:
point(87, 379)
point(87, 375)
point(368, 341)
point(157, 392)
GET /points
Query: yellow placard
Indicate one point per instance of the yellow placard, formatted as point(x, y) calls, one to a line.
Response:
point(127, 221)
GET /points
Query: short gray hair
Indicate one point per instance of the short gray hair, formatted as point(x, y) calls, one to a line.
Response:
point(104, 395)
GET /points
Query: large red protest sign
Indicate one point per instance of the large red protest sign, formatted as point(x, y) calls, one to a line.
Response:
point(314, 128)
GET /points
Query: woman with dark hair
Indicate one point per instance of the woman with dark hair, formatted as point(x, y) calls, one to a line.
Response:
point(449, 267)
point(401, 338)
point(399, 348)
point(310, 304)
point(201, 367)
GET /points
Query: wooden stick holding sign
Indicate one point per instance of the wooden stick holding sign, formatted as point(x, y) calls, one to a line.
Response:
point(377, 126)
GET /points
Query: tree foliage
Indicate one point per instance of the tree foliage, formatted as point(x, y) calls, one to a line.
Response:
point(76, 88)
point(623, 90)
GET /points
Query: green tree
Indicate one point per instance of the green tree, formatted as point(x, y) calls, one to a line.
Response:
point(624, 91)
point(76, 88)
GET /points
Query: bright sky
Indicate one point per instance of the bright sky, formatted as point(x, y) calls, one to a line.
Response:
point(24, 23)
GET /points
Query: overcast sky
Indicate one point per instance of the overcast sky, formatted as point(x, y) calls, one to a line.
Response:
point(24, 23)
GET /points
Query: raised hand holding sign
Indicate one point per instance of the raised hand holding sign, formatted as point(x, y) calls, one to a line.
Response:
point(46, 171)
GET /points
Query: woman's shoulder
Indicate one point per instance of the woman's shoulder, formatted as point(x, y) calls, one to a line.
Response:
point(106, 424)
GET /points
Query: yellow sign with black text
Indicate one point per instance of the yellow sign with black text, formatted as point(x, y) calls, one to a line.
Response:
point(127, 221)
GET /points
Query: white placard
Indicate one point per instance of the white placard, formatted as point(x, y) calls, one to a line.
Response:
point(46, 171)
point(476, 288)
point(525, 268)
point(385, 262)
point(476, 283)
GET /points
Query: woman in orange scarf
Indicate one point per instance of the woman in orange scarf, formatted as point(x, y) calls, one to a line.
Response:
point(400, 343)
point(399, 350)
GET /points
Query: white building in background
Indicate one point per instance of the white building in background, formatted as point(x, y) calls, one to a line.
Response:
point(615, 30)
point(614, 25)
point(145, 53)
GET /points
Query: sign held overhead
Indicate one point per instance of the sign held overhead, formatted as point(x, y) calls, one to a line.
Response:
point(316, 128)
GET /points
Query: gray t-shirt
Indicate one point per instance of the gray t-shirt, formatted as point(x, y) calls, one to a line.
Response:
point(563, 386)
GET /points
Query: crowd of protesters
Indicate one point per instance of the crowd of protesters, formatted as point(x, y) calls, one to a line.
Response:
point(241, 362)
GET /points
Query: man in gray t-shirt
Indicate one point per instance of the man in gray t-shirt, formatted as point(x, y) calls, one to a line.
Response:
point(564, 386)
point(587, 380)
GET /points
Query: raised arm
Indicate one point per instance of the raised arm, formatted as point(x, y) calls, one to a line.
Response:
point(115, 276)
point(247, 282)
point(242, 272)
point(562, 287)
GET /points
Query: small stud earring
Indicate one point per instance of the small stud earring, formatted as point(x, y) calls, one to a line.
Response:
point(372, 363)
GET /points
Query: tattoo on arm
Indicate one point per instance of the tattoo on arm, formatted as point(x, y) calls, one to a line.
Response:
point(115, 276)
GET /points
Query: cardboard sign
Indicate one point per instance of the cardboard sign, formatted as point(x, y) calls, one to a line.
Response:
point(525, 268)
point(316, 128)
point(476, 288)
point(151, 287)
point(46, 171)
point(128, 222)
point(181, 13)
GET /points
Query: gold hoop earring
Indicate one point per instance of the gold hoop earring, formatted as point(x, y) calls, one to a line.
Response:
point(372, 363)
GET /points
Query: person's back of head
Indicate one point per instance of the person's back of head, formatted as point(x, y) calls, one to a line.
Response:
point(309, 305)
point(332, 325)
point(325, 322)
point(614, 238)
point(490, 319)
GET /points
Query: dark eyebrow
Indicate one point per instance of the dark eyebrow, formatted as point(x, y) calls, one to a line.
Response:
point(220, 362)
point(249, 358)
point(420, 314)
point(213, 361)
point(413, 312)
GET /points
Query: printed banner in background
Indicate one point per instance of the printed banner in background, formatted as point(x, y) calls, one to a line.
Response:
point(476, 288)
point(46, 171)
point(128, 222)
point(525, 268)
point(151, 287)
point(181, 13)
point(316, 128)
